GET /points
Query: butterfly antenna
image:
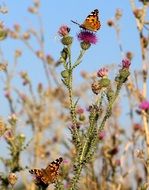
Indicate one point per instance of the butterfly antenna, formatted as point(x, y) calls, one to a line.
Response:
point(75, 22)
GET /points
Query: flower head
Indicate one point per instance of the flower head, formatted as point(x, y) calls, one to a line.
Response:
point(12, 178)
point(144, 105)
point(102, 72)
point(101, 135)
point(8, 135)
point(126, 63)
point(63, 30)
point(87, 36)
point(80, 110)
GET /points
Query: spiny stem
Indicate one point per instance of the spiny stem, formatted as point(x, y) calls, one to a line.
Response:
point(76, 177)
point(72, 104)
point(109, 108)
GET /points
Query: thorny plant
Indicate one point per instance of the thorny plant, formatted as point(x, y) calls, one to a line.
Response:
point(96, 135)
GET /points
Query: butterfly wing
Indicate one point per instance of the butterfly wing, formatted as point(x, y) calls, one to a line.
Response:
point(51, 172)
point(92, 22)
point(48, 175)
point(38, 173)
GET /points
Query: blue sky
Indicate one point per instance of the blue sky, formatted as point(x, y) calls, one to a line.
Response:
point(55, 13)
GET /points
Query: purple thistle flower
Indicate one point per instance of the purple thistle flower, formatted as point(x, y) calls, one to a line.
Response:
point(126, 63)
point(80, 110)
point(102, 72)
point(63, 30)
point(87, 36)
point(101, 135)
point(144, 105)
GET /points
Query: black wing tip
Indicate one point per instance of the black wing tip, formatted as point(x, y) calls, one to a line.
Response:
point(60, 159)
point(31, 171)
point(96, 10)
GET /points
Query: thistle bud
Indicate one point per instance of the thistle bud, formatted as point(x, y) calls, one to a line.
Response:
point(104, 82)
point(85, 45)
point(67, 40)
point(96, 87)
point(65, 74)
point(12, 178)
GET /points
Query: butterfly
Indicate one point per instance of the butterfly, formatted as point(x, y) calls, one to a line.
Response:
point(91, 22)
point(48, 175)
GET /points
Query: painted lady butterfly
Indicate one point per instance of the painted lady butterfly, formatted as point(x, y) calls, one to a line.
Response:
point(91, 22)
point(48, 175)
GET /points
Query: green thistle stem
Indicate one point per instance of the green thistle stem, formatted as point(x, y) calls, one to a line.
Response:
point(87, 143)
point(70, 91)
point(76, 178)
point(109, 108)
point(85, 151)
point(72, 104)
point(59, 186)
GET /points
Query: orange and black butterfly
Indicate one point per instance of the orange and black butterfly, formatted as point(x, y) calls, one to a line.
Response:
point(91, 22)
point(48, 175)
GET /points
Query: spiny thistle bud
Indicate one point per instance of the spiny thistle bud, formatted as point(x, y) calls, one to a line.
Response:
point(82, 117)
point(123, 75)
point(65, 74)
point(64, 53)
point(104, 82)
point(67, 40)
point(124, 72)
point(96, 87)
point(85, 45)
point(12, 178)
